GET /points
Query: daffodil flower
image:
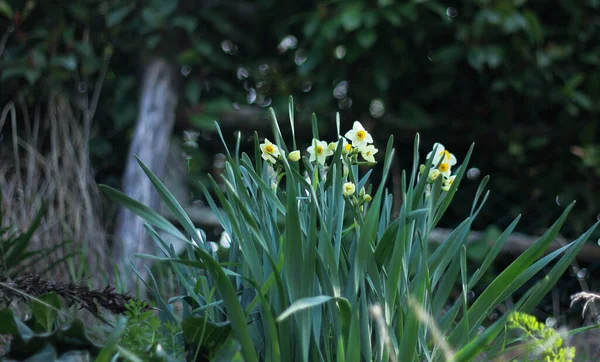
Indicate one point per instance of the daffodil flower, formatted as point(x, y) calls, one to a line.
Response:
point(349, 189)
point(359, 136)
point(447, 183)
point(319, 151)
point(270, 152)
point(441, 154)
point(294, 156)
point(445, 169)
point(368, 152)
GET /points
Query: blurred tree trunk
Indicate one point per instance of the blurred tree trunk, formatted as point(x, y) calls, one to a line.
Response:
point(150, 143)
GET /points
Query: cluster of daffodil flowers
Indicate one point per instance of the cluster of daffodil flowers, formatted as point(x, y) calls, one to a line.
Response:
point(356, 142)
point(442, 164)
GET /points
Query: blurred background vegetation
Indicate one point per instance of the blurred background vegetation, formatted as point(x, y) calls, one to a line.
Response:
point(519, 78)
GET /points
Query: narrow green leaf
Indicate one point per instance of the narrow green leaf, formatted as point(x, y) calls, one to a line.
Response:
point(234, 309)
point(557, 271)
point(490, 298)
point(151, 216)
point(307, 303)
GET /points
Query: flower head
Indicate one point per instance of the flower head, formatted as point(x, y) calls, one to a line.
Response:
point(359, 136)
point(447, 183)
point(319, 151)
point(368, 152)
point(349, 189)
point(347, 147)
point(444, 169)
point(441, 154)
point(294, 156)
point(433, 175)
point(270, 152)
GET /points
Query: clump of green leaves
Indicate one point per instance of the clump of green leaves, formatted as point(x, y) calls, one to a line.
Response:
point(144, 332)
point(542, 342)
point(307, 263)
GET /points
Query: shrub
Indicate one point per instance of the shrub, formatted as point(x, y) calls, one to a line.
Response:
point(318, 267)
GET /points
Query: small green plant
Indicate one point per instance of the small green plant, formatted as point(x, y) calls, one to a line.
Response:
point(317, 268)
point(542, 343)
point(144, 332)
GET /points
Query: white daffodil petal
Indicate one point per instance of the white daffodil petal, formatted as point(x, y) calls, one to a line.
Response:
point(452, 160)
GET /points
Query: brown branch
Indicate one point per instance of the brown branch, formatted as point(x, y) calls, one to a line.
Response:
point(30, 285)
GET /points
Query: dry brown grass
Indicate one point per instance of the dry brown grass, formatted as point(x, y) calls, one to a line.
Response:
point(46, 159)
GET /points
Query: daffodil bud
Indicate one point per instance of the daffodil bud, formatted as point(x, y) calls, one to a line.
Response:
point(347, 149)
point(433, 175)
point(294, 156)
point(349, 189)
point(362, 192)
point(345, 171)
point(422, 169)
point(332, 146)
point(366, 198)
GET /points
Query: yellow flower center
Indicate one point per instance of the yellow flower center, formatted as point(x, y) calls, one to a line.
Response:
point(361, 135)
point(368, 153)
point(348, 147)
point(269, 148)
point(445, 155)
point(319, 149)
point(444, 167)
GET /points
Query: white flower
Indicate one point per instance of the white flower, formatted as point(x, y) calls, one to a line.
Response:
point(319, 151)
point(445, 169)
point(433, 175)
point(368, 152)
point(214, 246)
point(448, 183)
point(270, 152)
point(294, 156)
point(225, 240)
point(359, 136)
point(441, 154)
point(349, 189)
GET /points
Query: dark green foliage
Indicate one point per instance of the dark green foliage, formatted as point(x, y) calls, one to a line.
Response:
point(514, 76)
point(29, 343)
